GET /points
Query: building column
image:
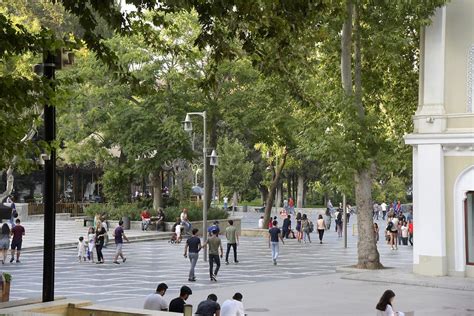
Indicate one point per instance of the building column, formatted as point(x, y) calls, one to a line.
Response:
point(429, 253)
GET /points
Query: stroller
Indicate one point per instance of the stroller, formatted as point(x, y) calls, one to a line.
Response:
point(176, 234)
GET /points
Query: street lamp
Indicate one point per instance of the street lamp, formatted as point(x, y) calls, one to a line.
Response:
point(188, 127)
point(213, 161)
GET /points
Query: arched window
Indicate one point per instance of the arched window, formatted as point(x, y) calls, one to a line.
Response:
point(469, 222)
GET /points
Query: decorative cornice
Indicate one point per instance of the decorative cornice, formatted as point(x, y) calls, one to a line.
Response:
point(470, 79)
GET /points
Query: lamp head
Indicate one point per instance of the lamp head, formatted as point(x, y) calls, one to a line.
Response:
point(187, 124)
point(213, 158)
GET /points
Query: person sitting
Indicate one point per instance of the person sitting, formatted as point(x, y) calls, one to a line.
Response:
point(160, 219)
point(209, 307)
point(233, 307)
point(146, 218)
point(384, 306)
point(214, 226)
point(177, 304)
point(155, 301)
point(185, 221)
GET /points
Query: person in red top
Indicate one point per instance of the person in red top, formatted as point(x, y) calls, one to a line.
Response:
point(146, 218)
point(17, 232)
point(410, 232)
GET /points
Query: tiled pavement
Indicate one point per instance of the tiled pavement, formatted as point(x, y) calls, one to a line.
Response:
point(151, 262)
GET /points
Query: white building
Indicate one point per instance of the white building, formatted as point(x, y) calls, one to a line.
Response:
point(443, 145)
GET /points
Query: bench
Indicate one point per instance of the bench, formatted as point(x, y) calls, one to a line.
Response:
point(260, 209)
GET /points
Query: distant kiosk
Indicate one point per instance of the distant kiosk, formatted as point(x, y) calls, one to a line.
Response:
point(443, 145)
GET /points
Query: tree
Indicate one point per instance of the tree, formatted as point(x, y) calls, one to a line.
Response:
point(234, 171)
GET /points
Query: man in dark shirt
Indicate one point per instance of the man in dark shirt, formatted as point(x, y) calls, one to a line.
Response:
point(274, 235)
point(209, 307)
point(17, 232)
point(286, 226)
point(194, 246)
point(177, 304)
point(119, 236)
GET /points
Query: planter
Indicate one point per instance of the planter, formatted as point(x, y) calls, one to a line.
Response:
point(126, 222)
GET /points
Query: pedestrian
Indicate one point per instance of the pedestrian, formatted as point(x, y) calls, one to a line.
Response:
point(226, 203)
point(17, 232)
point(177, 304)
point(376, 232)
point(232, 241)
point(81, 249)
point(215, 249)
point(4, 242)
point(285, 205)
point(14, 213)
point(286, 226)
point(193, 244)
point(160, 219)
point(91, 245)
point(274, 236)
point(185, 221)
point(305, 226)
point(260, 222)
point(385, 305)
point(100, 233)
point(321, 226)
point(105, 225)
point(327, 219)
point(405, 233)
point(155, 301)
point(233, 307)
point(339, 222)
point(384, 210)
point(176, 232)
point(392, 227)
point(209, 307)
point(299, 234)
point(410, 231)
point(119, 236)
point(291, 205)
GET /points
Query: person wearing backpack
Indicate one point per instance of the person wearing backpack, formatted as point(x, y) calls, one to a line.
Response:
point(339, 223)
point(305, 226)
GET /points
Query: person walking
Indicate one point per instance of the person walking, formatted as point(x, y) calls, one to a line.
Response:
point(233, 307)
point(215, 249)
point(392, 227)
point(274, 236)
point(384, 210)
point(321, 227)
point(193, 244)
point(91, 245)
point(410, 231)
point(286, 226)
point(305, 227)
point(405, 233)
point(339, 225)
point(100, 233)
point(232, 241)
point(155, 301)
point(17, 232)
point(327, 219)
point(119, 236)
point(177, 304)
point(81, 249)
point(209, 307)
point(4, 242)
point(299, 234)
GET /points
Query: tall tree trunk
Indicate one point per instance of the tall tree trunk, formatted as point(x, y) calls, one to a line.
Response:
point(157, 183)
point(273, 186)
point(263, 193)
point(368, 255)
point(300, 198)
point(294, 185)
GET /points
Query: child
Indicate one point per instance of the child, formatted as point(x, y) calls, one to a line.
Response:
point(81, 249)
point(91, 246)
point(179, 228)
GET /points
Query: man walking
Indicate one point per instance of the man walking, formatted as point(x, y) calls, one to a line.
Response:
point(17, 232)
point(274, 236)
point(156, 301)
point(215, 246)
point(232, 241)
point(193, 244)
point(384, 210)
point(119, 236)
point(286, 226)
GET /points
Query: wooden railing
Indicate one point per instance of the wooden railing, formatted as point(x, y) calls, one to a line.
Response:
point(75, 209)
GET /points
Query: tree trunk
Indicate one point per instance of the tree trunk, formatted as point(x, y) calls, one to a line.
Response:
point(278, 196)
point(156, 182)
point(263, 193)
point(300, 198)
point(368, 255)
point(273, 186)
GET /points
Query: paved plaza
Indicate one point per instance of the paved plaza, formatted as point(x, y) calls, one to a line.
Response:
point(305, 272)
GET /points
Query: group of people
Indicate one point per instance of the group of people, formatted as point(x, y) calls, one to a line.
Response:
point(96, 240)
point(147, 219)
point(382, 209)
point(399, 229)
point(207, 307)
point(16, 233)
point(193, 247)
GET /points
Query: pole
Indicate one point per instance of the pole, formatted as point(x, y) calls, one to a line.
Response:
point(344, 219)
point(204, 200)
point(49, 190)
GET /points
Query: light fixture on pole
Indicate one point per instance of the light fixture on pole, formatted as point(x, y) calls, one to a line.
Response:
point(214, 158)
point(188, 127)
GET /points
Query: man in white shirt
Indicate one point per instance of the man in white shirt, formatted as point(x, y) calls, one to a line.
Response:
point(156, 301)
point(384, 209)
point(233, 307)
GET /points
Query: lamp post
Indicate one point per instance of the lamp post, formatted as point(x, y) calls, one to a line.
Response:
point(188, 127)
point(213, 161)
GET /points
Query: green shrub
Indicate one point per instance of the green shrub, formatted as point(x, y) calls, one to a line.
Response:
point(194, 213)
point(7, 277)
point(131, 210)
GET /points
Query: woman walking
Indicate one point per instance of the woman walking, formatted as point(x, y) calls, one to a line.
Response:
point(305, 228)
point(4, 242)
point(327, 219)
point(321, 226)
point(99, 241)
point(299, 234)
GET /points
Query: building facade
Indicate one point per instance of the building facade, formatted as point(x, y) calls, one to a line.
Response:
point(443, 145)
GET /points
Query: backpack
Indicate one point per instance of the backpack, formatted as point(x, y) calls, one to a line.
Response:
point(339, 218)
point(389, 226)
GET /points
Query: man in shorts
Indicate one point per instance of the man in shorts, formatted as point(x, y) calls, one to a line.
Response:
point(119, 236)
point(17, 232)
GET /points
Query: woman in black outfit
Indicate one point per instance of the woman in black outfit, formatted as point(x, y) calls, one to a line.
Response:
point(99, 241)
